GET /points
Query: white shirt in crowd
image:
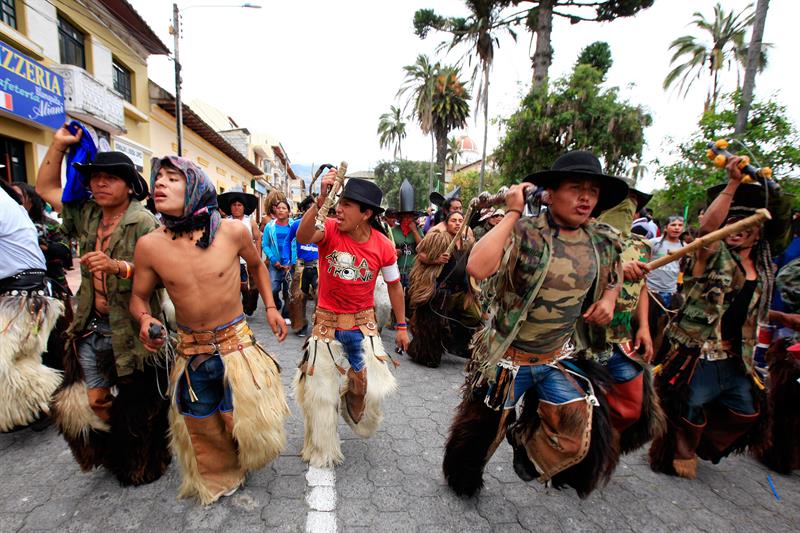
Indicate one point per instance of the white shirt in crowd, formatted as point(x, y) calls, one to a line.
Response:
point(19, 241)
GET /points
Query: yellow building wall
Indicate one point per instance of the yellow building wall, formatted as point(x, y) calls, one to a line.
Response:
point(223, 172)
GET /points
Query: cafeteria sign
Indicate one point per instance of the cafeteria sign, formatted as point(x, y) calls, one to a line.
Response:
point(29, 90)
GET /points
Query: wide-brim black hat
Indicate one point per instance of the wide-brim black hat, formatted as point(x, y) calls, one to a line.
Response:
point(249, 201)
point(642, 198)
point(580, 164)
point(365, 193)
point(115, 164)
point(752, 196)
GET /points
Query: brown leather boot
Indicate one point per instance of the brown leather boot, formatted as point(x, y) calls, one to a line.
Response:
point(356, 391)
point(625, 402)
point(562, 437)
point(687, 437)
point(100, 399)
point(215, 453)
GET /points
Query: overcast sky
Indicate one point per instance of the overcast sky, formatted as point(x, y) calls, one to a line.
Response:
point(318, 74)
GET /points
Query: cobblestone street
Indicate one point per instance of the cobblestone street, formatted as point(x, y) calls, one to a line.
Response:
point(391, 482)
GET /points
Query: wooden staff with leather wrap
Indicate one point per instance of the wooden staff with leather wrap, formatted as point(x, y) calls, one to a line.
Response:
point(757, 219)
point(319, 225)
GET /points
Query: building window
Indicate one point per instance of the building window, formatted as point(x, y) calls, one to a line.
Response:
point(70, 43)
point(122, 81)
point(8, 10)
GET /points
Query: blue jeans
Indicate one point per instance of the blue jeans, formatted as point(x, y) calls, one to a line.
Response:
point(352, 341)
point(208, 384)
point(95, 345)
point(620, 366)
point(550, 383)
point(280, 280)
point(723, 381)
point(666, 298)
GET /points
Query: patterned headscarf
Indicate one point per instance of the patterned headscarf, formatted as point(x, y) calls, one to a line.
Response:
point(200, 204)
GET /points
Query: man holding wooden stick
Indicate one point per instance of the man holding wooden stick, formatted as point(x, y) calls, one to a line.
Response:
point(708, 385)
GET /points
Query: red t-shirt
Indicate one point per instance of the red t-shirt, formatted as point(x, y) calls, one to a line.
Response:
point(348, 269)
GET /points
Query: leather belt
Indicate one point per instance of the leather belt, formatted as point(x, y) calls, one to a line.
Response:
point(520, 358)
point(25, 280)
point(327, 322)
point(223, 341)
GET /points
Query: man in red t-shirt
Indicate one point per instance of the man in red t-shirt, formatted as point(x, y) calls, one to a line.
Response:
point(353, 251)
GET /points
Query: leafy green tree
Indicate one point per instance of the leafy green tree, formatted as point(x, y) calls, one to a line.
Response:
point(392, 130)
point(450, 110)
point(726, 48)
point(453, 152)
point(576, 112)
point(770, 139)
point(488, 17)
point(418, 87)
point(468, 181)
point(389, 175)
point(598, 55)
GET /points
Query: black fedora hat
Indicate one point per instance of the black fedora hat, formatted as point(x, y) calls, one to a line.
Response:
point(236, 194)
point(642, 198)
point(583, 164)
point(116, 164)
point(365, 193)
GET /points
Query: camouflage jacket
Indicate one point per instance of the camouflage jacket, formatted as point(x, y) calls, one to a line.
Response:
point(708, 296)
point(522, 270)
point(788, 283)
point(634, 248)
point(81, 221)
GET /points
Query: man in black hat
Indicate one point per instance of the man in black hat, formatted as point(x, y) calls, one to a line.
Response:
point(708, 384)
point(109, 407)
point(240, 205)
point(352, 252)
point(555, 280)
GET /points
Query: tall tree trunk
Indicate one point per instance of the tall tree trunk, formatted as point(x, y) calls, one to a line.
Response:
point(543, 55)
point(441, 154)
point(753, 59)
point(430, 172)
point(485, 125)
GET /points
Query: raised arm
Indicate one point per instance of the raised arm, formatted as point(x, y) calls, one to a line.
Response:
point(485, 257)
point(306, 232)
point(48, 180)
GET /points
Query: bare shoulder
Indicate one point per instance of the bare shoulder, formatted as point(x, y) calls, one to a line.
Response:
point(152, 240)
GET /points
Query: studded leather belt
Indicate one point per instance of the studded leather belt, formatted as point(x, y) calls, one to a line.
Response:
point(327, 322)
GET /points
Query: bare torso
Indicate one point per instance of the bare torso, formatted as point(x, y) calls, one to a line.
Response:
point(202, 283)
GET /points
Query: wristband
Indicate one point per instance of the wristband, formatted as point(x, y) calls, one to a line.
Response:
point(271, 307)
point(519, 211)
point(400, 325)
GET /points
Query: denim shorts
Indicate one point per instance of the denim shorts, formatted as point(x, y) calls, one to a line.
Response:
point(550, 383)
point(352, 341)
point(96, 345)
point(208, 384)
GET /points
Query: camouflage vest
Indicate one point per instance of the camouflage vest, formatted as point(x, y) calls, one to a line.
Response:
point(522, 270)
point(708, 296)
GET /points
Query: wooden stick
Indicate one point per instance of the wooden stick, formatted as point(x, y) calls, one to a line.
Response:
point(760, 216)
point(319, 225)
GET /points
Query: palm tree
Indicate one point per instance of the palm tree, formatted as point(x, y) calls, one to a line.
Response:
point(392, 130)
point(726, 49)
point(453, 152)
point(450, 110)
point(420, 82)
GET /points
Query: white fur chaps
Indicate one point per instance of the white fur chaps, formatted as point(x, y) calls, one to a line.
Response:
point(319, 387)
point(26, 385)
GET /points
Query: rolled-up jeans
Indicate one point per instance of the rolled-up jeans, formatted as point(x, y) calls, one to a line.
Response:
point(96, 344)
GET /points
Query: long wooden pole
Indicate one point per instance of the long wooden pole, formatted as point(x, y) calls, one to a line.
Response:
point(760, 216)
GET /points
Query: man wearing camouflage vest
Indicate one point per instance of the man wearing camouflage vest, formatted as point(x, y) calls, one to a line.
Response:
point(556, 277)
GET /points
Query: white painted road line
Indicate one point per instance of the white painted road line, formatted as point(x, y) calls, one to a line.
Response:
point(321, 500)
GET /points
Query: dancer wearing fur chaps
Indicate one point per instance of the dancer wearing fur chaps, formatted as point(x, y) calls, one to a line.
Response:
point(28, 314)
point(344, 340)
point(533, 378)
point(110, 407)
point(636, 413)
point(227, 402)
point(708, 385)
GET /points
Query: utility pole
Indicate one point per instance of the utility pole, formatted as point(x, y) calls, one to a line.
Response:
point(176, 33)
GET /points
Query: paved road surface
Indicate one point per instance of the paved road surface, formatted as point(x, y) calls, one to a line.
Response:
point(391, 482)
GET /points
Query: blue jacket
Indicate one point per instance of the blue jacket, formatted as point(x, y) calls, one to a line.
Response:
point(272, 248)
point(306, 252)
